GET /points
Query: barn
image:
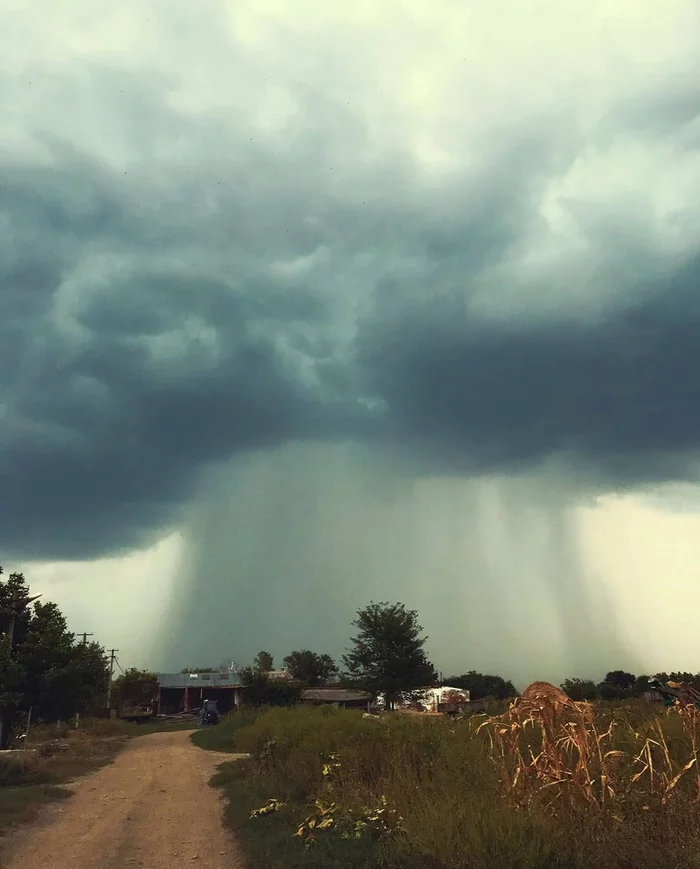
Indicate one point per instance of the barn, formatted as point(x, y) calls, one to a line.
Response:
point(183, 692)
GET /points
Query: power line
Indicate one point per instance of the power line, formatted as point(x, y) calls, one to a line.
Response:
point(85, 636)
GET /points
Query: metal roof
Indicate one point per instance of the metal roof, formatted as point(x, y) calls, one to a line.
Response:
point(199, 680)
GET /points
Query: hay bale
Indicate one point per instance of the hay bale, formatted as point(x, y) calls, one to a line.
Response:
point(544, 691)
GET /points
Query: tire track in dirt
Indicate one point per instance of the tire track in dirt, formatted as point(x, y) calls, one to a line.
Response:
point(152, 807)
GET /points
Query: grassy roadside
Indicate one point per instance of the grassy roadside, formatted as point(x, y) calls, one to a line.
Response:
point(18, 805)
point(267, 841)
point(56, 756)
point(222, 737)
point(32, 779)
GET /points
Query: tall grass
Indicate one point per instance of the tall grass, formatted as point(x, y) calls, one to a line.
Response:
point(221, 737)
point(545, 785)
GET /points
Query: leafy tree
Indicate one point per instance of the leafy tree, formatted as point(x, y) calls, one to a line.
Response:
point(606, 691)
point(641, 684)
point(133, 674)
point(387, 655)
point(198, 670)
point(480, 685)
point(264, 662)
point(260, 690)
point(620, 679)
point(580, 689)
point(309, 668)
point(44, 670)
point(617, 685)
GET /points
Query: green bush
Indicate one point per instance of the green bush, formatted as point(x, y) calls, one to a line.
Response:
point(223, 736)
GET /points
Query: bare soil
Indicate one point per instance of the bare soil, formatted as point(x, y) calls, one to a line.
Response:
point(152, 807)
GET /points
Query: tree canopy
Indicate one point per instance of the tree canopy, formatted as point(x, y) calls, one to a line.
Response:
point(580, 689)
point(44, 669)
point(133, 674)
point(387, 655)
point(264, 662)
point(482, 685)
point(309, 668)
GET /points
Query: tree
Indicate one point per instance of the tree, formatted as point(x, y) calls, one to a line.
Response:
point(620, 679)
point(580, 689)
point(264, 662)
point(617, 685)
point(688, 678)
point(133, 674)
point(387, 655)
point(480, 685)
point(260, 690)
point(43, 668)
point(641, 685)
point(309, 668)
point(186, 670)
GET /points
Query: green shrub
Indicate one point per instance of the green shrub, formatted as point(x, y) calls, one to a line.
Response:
point(223, 736)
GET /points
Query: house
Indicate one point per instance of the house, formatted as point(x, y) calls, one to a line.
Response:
point(340, 697)
point(281, 675)
point(183, 692)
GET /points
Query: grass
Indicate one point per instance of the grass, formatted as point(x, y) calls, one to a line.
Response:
point(31, 779)
point(59, 755)
point(222, 736)
point(20, 804)
point(541, 786)
point(270, 844)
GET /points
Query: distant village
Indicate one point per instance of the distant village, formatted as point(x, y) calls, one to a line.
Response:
point(184, 694)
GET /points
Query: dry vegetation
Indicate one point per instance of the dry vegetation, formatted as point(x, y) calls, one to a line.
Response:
point(548, 783)
point(56, 756)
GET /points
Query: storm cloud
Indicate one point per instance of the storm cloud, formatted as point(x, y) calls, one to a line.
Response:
point(223, 232)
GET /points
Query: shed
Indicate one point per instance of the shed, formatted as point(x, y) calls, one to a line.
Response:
point(186, 692)
point(340, 697)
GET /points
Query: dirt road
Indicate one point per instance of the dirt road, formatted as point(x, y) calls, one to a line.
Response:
point(152, 807)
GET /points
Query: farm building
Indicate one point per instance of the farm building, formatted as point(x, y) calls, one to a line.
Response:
point(336, 697)
point(179, 692)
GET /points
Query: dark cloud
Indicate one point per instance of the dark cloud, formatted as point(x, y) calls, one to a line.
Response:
point(180, 287)
point(126, 372)
point(617, 398)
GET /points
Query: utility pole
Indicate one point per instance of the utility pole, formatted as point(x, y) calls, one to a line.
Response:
point(112, 656)
point(85, 636)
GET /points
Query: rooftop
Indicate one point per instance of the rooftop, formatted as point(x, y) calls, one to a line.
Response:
point(222, 679)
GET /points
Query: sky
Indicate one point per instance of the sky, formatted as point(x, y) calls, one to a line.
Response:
point(304, 306)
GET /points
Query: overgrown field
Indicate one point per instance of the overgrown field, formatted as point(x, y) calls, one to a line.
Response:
point(546, 785)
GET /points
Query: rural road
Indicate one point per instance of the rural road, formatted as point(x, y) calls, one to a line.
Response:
point(152, 807)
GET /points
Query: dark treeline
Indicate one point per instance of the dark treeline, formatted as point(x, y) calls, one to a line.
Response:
point(45, 674)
